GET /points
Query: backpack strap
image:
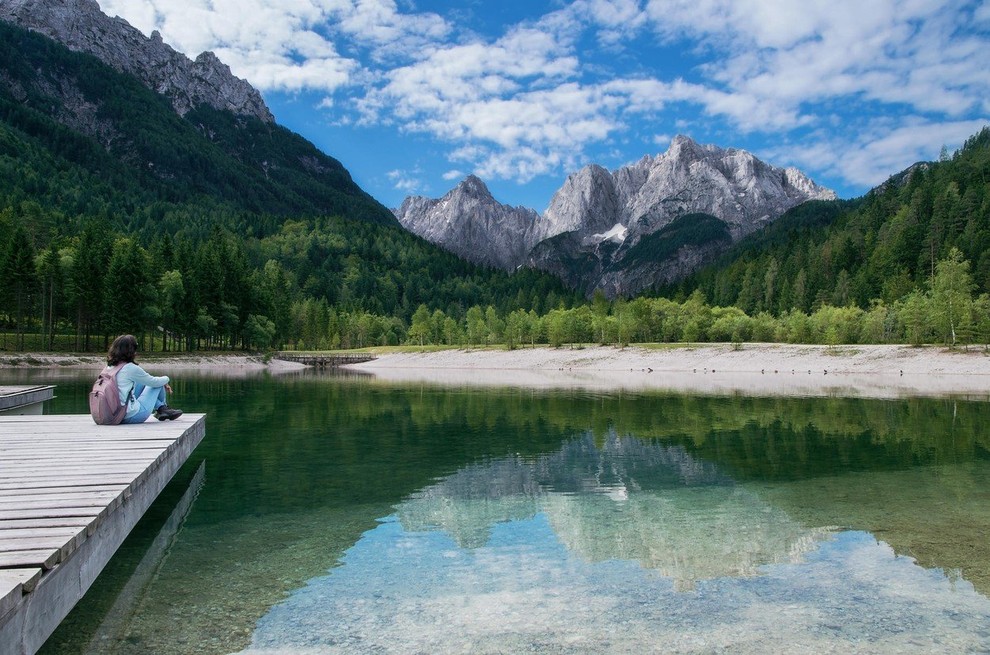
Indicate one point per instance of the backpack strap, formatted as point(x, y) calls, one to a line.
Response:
point(116, 370)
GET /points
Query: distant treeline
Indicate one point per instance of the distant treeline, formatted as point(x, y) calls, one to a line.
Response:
point(325, 283)
point(345, 285)
point(947, 312)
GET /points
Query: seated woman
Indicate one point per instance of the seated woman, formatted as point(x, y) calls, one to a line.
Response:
point(143, 394)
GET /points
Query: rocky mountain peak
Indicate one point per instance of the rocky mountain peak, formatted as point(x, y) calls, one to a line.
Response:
point(587, 201)
point(469, 222)
point(474, 187)
point(682, 145)
point(80, 25)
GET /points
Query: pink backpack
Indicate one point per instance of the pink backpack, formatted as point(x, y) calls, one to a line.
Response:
point(104, 399)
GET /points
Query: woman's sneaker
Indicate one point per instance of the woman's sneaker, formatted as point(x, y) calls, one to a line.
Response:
point(166, 413)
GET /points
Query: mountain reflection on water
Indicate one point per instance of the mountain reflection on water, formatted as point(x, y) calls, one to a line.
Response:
point(626, 499)
point(617, 545)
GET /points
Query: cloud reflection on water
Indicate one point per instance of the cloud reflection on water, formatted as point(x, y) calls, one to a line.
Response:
point(622, 546)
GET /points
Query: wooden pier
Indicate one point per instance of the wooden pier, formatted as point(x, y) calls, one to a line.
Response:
point(326, 360)
point(24, 399)
point(70, 492)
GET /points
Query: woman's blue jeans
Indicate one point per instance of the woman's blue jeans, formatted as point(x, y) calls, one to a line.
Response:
point(150, 399)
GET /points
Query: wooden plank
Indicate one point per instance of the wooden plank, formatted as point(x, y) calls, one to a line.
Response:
point(14, 583)
point(41, 466)
point(43, 558)
point(80, 452)
point(55, 502)
point(41, 532)
point(18, 443)
point(72, 497)
point(67, 494)
point(27, 578)
point(142, 432)
point(54, 512)
point(65, 544)
point(22, 441)
point(30, 452)
point(68, 521)
point(37, 491)
point(44, 482)
point(95, 469)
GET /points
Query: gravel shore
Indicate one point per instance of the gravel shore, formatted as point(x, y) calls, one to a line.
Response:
point(774, 369)
point(880, 371)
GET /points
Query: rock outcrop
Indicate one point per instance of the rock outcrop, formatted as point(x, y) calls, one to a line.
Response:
point(591, 233)
point(81, 26)
point(469, 222)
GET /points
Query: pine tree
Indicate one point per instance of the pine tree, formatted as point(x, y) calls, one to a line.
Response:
point(19, 280)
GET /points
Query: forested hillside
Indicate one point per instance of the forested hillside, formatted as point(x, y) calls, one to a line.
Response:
point(208, 230)
point(878, 248)
point(86, 140)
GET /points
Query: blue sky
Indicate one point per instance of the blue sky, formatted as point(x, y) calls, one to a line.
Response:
point(413, 95)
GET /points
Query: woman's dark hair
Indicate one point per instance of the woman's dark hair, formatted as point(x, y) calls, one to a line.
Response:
point(122, 349)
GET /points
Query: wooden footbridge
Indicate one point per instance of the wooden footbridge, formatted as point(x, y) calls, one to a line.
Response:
point(325, 360)
point(70, 492)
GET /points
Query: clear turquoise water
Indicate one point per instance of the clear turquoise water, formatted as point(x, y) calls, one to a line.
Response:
point(341, 515)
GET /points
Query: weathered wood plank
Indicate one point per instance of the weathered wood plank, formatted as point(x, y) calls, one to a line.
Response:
point(43, 558)
point(30, 453)
point(91, 511)
point(67, 494)
point(95, 469)
point(48, 500)
point(68, 522)
point(14, 583)
point(40, 482)
point(64, 543)
point(37, 491)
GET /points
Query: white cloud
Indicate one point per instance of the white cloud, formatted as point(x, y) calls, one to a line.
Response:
point(380, 25)
point(662, 140)
point(404, 181)
point(453, 174)
point(881, 151)
point(790, 56)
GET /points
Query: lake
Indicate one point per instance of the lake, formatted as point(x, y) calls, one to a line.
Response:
point(340, 514)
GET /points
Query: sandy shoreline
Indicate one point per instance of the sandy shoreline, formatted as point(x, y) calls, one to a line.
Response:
point(226, 364)
point(754, 369)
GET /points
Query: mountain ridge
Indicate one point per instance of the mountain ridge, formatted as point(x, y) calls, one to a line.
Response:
point(81, 26)
point(126, 134)
point(609, 212)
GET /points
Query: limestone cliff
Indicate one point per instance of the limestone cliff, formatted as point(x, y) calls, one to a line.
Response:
point(81, 26)
point(609, 230)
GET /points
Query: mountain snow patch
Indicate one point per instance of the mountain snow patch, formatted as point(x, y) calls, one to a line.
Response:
point(616, 235)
